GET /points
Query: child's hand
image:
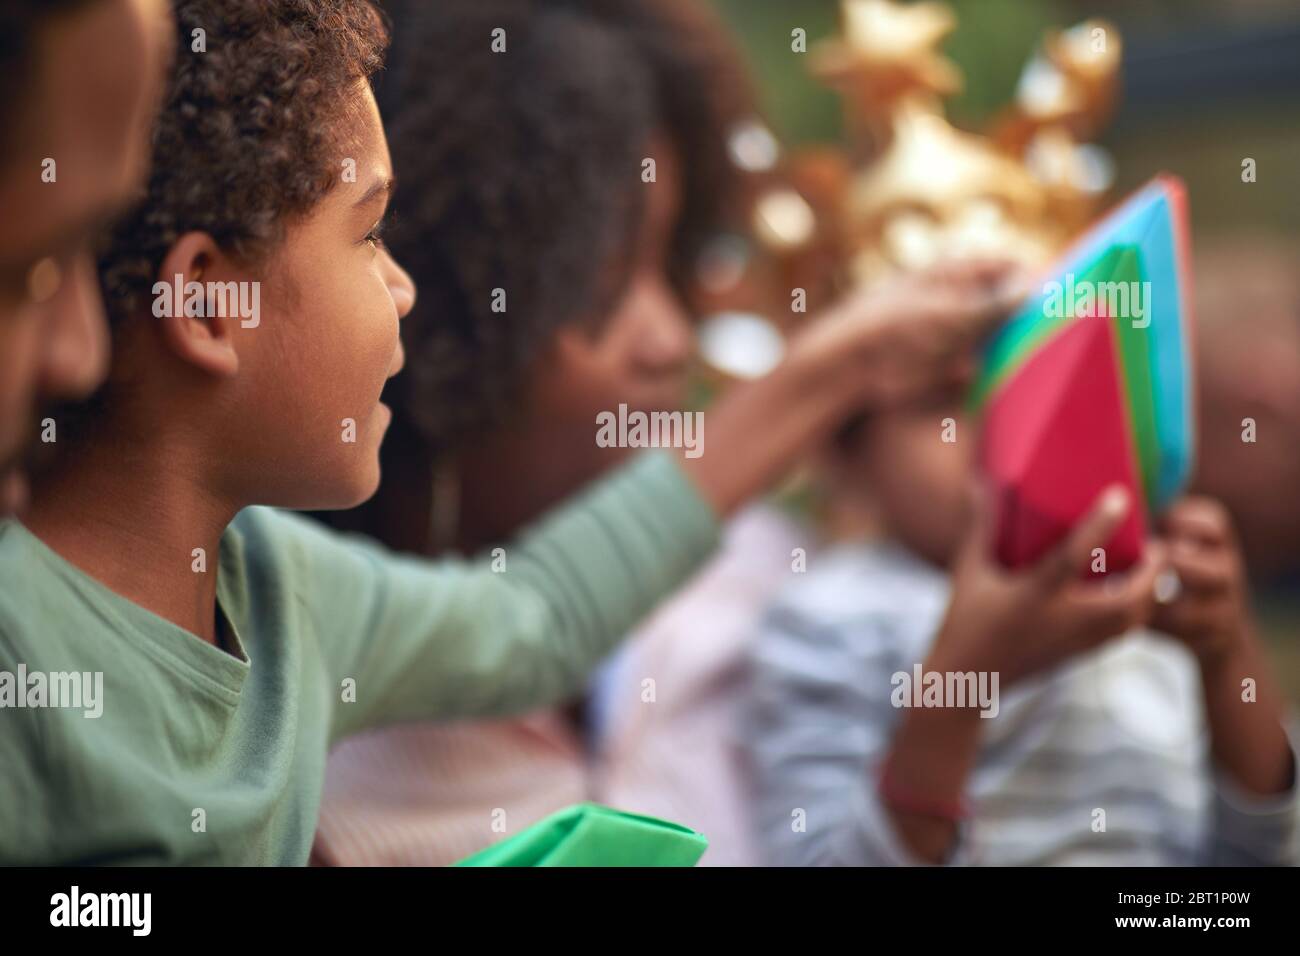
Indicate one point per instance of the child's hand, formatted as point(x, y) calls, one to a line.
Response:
point(1013, 624)
point(911, 334)
point(1209, 614)
point(1019, 623)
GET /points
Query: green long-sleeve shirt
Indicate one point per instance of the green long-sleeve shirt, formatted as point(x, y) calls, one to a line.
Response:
point(201, 756)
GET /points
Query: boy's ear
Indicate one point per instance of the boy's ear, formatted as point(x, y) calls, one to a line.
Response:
point(190, 321)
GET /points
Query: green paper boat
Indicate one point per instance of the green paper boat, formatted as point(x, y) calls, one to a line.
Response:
point(588, 834)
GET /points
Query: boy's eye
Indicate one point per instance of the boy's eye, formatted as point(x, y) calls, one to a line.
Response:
point(376, 235)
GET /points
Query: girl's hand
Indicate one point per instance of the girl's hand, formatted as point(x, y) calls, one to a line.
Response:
point(1020, 623)
point(898, 341)
point(911, 334)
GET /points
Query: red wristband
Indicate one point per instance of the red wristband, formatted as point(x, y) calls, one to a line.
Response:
point(909, 801)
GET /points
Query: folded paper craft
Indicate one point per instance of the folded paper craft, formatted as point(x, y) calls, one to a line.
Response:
point(1090, 383)
point(588, 834)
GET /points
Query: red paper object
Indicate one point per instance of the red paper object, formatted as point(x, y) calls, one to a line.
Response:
point(1056, 435)
point(1142, 245)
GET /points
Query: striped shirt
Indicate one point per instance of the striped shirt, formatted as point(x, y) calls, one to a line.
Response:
point(1103, 761)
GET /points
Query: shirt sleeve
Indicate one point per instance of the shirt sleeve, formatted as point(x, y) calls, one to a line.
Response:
point(1249, 830)
point(518, 629)
point(818, 725)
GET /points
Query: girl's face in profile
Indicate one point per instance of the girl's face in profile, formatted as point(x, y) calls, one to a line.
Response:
point(313, 368)
point(641, 353)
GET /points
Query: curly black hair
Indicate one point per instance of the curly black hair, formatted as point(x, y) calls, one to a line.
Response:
point(521, 170)
point(248, 136)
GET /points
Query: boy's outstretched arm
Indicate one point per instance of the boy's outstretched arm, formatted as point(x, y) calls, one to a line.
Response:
point(406, 638)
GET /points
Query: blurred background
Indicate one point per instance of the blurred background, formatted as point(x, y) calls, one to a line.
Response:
point(1204, 85)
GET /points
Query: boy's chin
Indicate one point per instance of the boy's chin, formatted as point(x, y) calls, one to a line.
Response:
point(352, 478)
point(346, 491)
point(356, 492)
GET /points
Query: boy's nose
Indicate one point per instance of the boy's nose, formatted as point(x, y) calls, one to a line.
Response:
point(400, 285)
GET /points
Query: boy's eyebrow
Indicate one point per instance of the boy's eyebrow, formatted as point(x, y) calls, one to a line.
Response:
point(380, 186)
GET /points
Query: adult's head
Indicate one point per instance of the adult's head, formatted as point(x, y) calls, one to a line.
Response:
point(551, 271)
point(83, 79)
